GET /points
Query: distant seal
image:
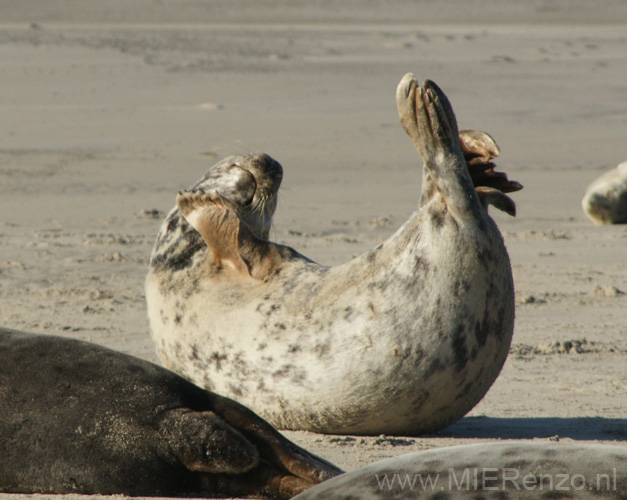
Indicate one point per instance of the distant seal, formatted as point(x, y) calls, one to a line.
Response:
point(605, 201)
point(79, 418)
point(506, 471)
point(404, 339)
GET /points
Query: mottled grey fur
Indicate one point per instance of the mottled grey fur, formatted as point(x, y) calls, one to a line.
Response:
point(605, 201)
point(499, 471)
point(404, 339)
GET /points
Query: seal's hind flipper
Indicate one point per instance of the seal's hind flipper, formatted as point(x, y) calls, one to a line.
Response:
point(492, 196)
point(218, 224)
point(428, 118)
point(477, 146)
point(479, 149)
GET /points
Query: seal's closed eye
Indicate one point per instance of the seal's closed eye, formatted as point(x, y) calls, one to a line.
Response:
point(237, 185)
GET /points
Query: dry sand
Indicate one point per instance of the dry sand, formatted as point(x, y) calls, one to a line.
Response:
point(109, 108)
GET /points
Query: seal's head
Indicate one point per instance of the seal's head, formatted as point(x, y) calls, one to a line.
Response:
point(250, 185)
point(605, 201)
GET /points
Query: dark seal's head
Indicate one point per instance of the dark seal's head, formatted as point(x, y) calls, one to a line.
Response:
point(250, 184)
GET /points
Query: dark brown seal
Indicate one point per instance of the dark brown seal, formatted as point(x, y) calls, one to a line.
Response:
point(76, 417)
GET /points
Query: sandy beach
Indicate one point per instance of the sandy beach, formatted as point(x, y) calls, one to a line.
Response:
point(110, 108)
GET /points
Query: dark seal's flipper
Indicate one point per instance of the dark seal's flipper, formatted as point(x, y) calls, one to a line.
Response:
point(244, 454)
point(204, 442)
point(276, 448)
point(284, 470)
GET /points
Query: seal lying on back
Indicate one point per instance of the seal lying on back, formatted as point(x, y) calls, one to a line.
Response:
point(404, 339)
point(506, 471)
point(605, 201)
point(79, 418)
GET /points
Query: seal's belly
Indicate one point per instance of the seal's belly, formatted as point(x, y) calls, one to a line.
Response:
point(396, 351)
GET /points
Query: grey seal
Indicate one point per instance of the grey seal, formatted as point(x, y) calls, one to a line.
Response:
point(605, 201)
point(404, 339)
point(504, 471)
point(76, 417)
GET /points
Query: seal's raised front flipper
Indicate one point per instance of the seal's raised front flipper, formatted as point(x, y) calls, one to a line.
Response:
point(219, 226)
point(234, 247)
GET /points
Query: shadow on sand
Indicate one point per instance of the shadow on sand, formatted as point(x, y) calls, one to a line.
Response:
point(583, 428)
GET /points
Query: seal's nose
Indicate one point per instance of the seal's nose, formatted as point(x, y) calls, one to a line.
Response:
point(268, 168)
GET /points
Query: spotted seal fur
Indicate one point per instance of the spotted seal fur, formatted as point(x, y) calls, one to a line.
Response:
point(605, 201)
point(404, 339)
point(76, 417)
point(505, 471)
